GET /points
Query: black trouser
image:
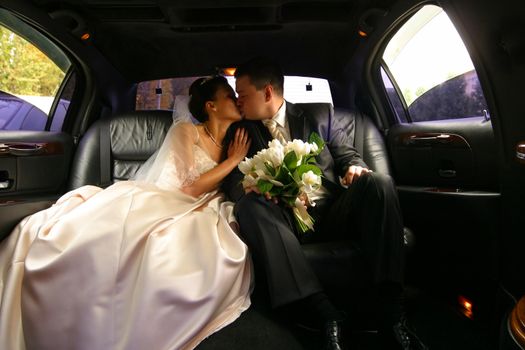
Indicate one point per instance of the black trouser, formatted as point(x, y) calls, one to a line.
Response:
point(367, 212)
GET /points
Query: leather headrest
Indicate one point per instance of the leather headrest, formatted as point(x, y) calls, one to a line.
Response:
point(137, 135)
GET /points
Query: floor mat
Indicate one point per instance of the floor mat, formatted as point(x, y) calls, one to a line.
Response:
point(438, 325)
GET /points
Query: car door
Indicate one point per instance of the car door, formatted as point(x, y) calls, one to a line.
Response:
point(444, 158)
point(36, 86)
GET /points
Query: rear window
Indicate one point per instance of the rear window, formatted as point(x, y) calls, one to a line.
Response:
point(161, 94)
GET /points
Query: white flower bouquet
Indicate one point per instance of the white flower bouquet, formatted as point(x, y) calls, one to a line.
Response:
point(288, 172)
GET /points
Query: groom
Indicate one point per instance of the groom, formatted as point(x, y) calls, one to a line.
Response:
point(366, 208)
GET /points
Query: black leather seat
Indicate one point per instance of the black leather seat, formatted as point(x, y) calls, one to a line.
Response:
point(112, 150)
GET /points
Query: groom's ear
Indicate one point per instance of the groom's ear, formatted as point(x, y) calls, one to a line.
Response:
point(268, 93)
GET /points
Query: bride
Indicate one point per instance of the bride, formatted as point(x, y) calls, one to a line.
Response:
point(152, 263)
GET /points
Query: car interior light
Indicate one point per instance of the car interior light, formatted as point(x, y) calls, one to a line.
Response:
point(367, 20)
point(229, 71)
point(465, 306)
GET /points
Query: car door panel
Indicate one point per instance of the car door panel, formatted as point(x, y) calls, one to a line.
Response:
point(455, 154)
point(34, 168)
point(444, 159)
point(448, 189)
point(12, 211)
point(456, 244)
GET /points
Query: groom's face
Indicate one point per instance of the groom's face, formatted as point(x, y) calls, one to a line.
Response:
point(251, 102)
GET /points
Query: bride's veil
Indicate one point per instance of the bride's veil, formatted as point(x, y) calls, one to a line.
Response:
point(173, 160)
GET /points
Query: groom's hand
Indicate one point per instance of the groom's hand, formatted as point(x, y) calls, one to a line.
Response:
point(353, 173)
point(267, 195)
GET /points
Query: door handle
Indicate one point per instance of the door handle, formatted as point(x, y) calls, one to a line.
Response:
point(25, 149)
point(520, 152)
point(4, 149)
point(448, 173)
point(21, 149)
point(428, 139)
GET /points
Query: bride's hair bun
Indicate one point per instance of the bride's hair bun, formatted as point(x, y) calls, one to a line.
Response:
point(203, 90)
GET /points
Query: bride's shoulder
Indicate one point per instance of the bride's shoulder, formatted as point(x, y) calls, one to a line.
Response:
point(188, 129)
point(186, 125)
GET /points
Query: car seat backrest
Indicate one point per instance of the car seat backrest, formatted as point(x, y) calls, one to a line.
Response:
point(368, 141)
point(113, 149)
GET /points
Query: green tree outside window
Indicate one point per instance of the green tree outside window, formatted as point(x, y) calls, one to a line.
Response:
point(25, 70)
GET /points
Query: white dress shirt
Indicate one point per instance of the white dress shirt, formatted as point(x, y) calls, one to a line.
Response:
point(282, 122)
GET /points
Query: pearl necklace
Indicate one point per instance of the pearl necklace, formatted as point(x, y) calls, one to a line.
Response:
point(210, 135)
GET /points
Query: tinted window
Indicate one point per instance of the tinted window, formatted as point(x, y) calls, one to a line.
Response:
point(459, 97)
point(432, 70)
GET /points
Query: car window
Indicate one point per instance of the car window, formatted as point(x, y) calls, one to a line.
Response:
point(30, 80)
point(161, 94)
point(426, 69)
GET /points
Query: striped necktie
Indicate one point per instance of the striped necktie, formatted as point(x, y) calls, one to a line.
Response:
point(274, 130)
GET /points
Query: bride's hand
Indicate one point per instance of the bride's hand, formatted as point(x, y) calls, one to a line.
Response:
point(238, 148)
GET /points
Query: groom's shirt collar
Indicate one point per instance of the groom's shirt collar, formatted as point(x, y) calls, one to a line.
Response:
point(282, 122)
point(280, 116)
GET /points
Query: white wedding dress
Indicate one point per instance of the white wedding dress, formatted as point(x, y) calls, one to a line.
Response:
point(134, 266)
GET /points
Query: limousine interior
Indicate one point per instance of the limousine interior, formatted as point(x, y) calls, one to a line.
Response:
point(433, 89)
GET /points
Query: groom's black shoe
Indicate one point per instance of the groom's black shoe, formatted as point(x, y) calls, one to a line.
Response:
point(401, 336)
point(333, 336)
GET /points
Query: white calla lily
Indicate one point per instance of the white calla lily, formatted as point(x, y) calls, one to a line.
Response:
point(305, 221)
point(249, 181)
point(267, 164)
point(311, 182)
point(246, 166)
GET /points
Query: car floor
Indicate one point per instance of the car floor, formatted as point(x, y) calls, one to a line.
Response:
point(437, 324)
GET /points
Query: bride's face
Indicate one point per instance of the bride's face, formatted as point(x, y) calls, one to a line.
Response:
point(226, 104)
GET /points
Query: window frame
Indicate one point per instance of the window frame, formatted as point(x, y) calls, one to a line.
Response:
point(397, 90)
point(52, 111)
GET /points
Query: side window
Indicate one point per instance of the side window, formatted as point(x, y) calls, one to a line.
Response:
point(30, 80)
point(430, 73)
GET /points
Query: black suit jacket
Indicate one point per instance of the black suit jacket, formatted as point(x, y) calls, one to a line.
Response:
point(303, 119)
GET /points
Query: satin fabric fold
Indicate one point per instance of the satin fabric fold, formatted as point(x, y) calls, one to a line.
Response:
point(129, 267)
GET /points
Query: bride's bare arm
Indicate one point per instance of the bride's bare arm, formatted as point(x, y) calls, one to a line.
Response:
point(210, 180)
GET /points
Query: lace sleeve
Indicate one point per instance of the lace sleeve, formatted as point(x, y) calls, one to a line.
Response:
point(173, 165)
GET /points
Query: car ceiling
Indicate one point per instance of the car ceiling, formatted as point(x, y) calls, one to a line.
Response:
point(148, 39)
